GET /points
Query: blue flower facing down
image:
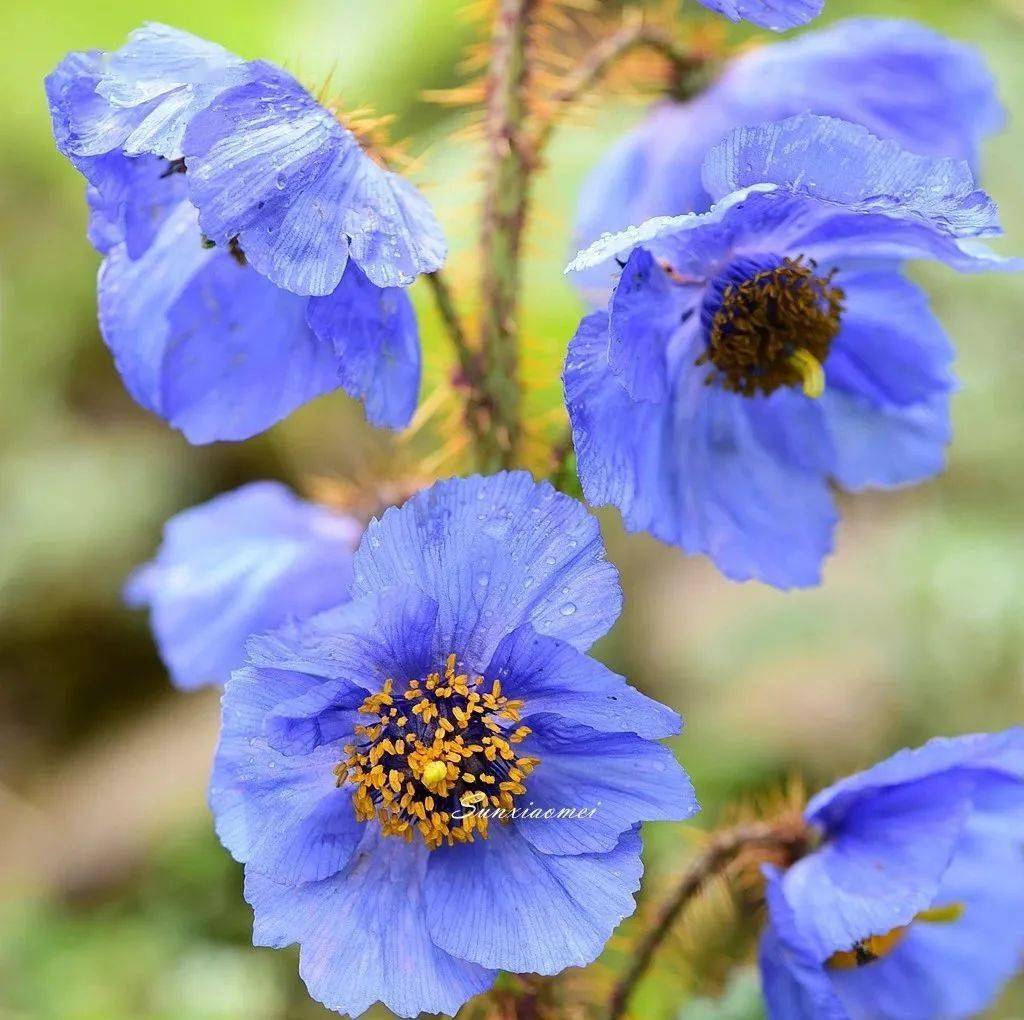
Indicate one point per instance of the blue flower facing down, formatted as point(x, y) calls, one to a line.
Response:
point(912, 907)
point(239, 565)
point(753, 354)
point(434, 782)
point(899, 79)
point(256, 257)
point(778, 15)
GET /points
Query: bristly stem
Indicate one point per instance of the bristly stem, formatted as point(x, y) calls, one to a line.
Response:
point(471, 369)
point(504, 215)
point(788, 837)
point(634, 33)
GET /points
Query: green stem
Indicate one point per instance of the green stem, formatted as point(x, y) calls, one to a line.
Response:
point(504, 216)
point(788, 837)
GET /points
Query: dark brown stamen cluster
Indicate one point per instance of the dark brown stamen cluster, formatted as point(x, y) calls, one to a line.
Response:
point(764, 322)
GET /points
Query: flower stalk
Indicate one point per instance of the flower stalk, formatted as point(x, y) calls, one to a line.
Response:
point(787, 838)
point(504, 216)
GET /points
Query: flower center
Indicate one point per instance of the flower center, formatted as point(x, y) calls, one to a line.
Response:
point(443, 746)
point(769, 322)
point(877, 946)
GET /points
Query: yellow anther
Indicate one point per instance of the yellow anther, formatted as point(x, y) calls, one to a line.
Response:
point(811, 372)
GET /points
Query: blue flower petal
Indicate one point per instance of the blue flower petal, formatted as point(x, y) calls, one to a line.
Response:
point(378, 637)
point(1000, 754)
point(952, 969)
point(898, 78)
point(271, 167)
point(621, 777)
point(552, 676)
point(495, 553)
point(695, 472)
point(778, 15)
point(208, 345)
point(835, 161)
point(890, 349)
point(238, 565)
point(621, 444)
point(362, 934)
point(645, 311)
point(170, 75)
point(887, 446)
point(793, 980)
point(283, 814)
point(376, 340)
point(503, 904)
point(880, 864)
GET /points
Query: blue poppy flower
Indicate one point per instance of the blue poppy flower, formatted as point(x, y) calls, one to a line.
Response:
point(912, 906)
point(434, 781)
point(753, 354)
point(241, 564)
point(256, 257)
point(899, 79)
point(778, 15)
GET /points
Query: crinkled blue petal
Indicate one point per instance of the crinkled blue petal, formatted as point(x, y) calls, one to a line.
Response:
point(377, 344)
point(835, 161)
point(377, 637)
point(141, 98)
point(891, 350)
point(208, 345)
point(694, 470)
point(621, 777)
point(646, 309)
point(998, 754)
point(898, 78)
point(778, 15)
point(501, 903)
point(951, 969)
point(793, 980)
point(495, 552)
point(271, 167)
point(171, 75)
point(362, 934)
point(881, 863)
point(281, 814)
point(238, 565)
point(551, 676)
point(881, 447)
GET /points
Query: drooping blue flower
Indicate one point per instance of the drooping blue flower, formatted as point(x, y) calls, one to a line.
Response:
point(239, 565)
point(754, 354)
point(365, 753)
point(899, 79)
point(256, 257)
point(778, 15)
point(912, 906)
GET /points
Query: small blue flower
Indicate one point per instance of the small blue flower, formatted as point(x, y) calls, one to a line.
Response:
point(256, 257)
point(239, 565)
point(778, 15)
point(899, 79)
point(912, 906)
point(362, 750)
point(755, 353)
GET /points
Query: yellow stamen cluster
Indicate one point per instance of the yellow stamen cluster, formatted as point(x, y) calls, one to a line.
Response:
point(774, 329)
point(444, 745)
point(877, 946)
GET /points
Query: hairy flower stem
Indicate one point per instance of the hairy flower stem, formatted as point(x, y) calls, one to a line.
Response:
point(787, 838)
point(506, 189)
point(634, 33)
point(471, 369)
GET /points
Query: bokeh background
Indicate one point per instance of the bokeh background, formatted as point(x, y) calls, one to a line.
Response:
point(116, 902)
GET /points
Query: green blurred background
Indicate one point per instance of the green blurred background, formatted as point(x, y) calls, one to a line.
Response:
point(115, 900)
